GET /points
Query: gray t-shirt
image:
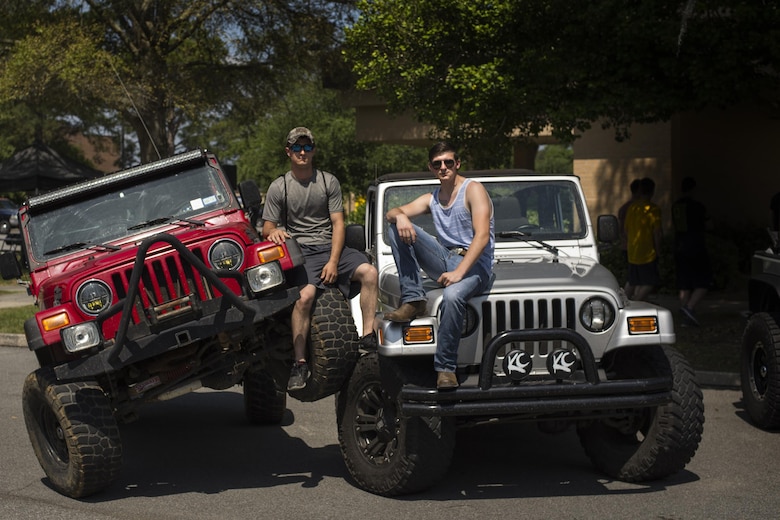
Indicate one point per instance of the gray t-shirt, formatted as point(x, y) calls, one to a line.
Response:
point(304, 209)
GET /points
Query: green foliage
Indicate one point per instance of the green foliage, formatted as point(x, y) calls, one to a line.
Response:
point(489, 71)
point(262, 156)
point(12, 319)
point(555, 159)
point(183, 64)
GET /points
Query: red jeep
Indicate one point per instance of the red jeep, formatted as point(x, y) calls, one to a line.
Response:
point(151, 282)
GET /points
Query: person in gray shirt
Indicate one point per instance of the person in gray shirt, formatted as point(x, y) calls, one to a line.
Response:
point(306, 204)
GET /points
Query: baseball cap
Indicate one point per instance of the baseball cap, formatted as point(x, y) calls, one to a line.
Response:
point(298, 132)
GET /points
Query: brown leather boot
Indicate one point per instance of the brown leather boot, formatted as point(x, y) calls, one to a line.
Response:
point(407, 312)
point(446, 381)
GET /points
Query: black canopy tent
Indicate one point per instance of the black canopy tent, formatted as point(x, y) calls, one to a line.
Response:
point(38, 168)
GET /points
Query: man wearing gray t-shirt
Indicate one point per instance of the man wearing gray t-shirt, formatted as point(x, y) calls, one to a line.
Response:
point(306, 204)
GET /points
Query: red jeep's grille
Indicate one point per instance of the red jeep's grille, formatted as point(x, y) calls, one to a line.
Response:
point(165, 279)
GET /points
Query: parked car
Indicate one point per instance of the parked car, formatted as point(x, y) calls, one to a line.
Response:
point(553, 341)
point(9, 215)
point(150, 283)
point(760, 351)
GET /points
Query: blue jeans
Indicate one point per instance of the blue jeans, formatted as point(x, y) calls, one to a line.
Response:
point(429, 255)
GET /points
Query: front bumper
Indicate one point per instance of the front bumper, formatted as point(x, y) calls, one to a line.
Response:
point(229, 314)
point(486, 395)
point(132, 350)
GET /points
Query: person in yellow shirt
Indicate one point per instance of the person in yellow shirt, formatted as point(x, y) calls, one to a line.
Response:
point(644, 234)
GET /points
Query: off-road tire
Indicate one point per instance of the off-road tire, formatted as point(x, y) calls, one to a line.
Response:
point(761, 370)
point(73, 432)
point(659, 441)
point(387, 454)
point(332, 347)
point(264, 402)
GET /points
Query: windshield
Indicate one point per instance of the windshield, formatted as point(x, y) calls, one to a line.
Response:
point(542, 209)
point(112, 215)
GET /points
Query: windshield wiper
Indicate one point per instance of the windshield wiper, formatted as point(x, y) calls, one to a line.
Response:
point(166, 220)
point(82, 245)
point(526, 237)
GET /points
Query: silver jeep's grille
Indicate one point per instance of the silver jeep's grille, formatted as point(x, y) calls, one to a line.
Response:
point(529, 312)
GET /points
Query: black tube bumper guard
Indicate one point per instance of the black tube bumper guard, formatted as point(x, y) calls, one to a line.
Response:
point(134, 343)
point(537, 398)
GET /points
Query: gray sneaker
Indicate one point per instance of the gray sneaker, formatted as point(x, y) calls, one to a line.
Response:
point(298, 376)
point(689, 315)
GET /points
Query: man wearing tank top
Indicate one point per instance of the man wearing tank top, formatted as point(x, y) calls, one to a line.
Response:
point(460, 259)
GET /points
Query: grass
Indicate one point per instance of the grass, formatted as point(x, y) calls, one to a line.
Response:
point(12, 318)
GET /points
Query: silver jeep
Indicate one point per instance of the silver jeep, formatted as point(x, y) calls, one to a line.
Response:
point(554, 341)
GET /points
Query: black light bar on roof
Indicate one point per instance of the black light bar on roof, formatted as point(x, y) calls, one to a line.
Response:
point(78, 190)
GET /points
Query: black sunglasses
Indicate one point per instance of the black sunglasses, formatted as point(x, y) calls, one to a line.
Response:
point(449, 163)
point(305, 147)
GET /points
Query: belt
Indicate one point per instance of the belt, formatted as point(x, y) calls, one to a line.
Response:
point(459, 251)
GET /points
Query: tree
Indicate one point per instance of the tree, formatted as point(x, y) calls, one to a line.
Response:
point(490, 71)
point(162, 67)
point(556, 159)
point(355, 163)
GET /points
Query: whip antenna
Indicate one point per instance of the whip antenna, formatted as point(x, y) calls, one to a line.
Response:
point(127, 93)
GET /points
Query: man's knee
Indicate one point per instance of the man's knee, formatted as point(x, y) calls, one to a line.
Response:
point(307, 295)
point(366, 274)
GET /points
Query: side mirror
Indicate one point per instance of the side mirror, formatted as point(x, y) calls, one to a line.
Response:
point(355, 237)
point(251, 199)
point(608, 229)
point(9, 266)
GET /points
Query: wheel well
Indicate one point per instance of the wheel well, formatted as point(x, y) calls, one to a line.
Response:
point(763, 296)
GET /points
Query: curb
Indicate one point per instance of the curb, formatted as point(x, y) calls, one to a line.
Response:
point(705, 378)
point(718, 379)
point(12, 340)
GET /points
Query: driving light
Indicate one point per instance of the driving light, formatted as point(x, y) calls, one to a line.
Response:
point(80, 337)
point(264, 277)
point(597, 314)
point(226, 254)
point(93, 296)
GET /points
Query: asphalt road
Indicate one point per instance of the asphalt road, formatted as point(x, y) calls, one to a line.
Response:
point(195, 457)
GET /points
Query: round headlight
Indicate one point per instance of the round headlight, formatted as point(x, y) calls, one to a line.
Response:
point(93, 296)
point(226, 254)
point(597, 314)
point(470, 321)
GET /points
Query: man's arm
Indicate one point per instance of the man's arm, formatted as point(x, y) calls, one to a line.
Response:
point(331, 269)
point(271, 230)
point(401, 216)
point(657, 233)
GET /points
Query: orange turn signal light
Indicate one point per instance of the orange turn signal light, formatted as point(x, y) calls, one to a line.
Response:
point(55, 322)
point(643, 325)
point(418, 334)
point(269, 255)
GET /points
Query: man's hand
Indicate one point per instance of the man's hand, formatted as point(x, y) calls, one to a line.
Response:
point(449, 278)
point(405, 229)
point(278, 236)
point(330, 273)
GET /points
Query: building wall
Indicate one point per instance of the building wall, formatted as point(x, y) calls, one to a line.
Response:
point(607, 167)
point(730, 153)
point(732, 156)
